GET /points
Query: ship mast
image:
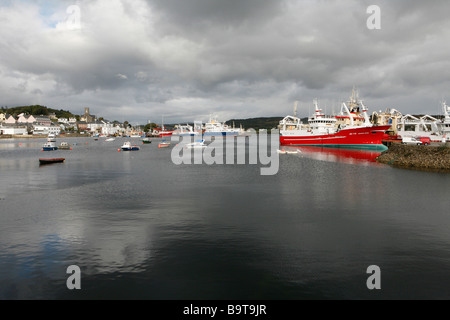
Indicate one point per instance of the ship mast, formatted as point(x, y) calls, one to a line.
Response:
point(446, 110)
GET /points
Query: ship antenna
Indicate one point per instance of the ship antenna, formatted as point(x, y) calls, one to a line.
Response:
point(295, 108)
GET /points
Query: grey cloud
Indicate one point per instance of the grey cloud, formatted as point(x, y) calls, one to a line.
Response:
point(230, 13)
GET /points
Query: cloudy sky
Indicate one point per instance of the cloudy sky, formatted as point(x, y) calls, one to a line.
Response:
point(184, 60)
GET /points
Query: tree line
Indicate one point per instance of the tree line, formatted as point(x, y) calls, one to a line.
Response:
point(37, 110)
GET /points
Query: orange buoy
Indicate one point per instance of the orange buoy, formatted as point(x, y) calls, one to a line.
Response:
point(118, 150)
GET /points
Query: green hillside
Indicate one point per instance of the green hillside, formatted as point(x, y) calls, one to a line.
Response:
point(37, 110)
point(256, 123)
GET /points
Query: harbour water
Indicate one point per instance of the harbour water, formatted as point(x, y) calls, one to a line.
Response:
point(140, 227)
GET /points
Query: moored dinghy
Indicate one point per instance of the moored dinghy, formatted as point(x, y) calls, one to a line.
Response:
point(284, 151)
point(146, 141)
point(199, 144)
point(50, 161)
point(164, 144)
point(64, 146)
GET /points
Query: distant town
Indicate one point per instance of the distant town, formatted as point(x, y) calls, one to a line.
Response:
point(41, 121)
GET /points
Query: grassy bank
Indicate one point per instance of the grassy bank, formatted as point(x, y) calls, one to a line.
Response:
point(417, 157)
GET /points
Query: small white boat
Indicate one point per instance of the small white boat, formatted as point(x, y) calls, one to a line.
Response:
point(199, 144)
point(283, 151)
point(164, 144)
point(64, 146)
point(51, 137)
point(128, 147)
point(110, 139)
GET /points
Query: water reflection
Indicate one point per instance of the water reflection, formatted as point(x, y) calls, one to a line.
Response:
point(141, 227)
point(350, 156)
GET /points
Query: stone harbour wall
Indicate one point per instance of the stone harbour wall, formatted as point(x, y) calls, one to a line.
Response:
point(417, 157)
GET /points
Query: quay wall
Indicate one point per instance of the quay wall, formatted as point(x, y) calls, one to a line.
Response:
point(436, 157)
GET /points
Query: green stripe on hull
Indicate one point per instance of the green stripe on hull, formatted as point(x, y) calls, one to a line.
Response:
point(375, 147)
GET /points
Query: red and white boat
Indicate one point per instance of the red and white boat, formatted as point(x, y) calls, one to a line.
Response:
point(162, 133)
point(350, 129)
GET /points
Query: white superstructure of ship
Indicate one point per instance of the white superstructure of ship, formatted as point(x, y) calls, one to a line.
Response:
point(445, 124)
point(217, 128)
point(186, 130)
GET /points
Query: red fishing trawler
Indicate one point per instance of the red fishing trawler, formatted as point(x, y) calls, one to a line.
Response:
point(351, 128)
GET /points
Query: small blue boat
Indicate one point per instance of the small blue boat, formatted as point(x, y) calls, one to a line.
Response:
point(49, 146)
point(128, 147)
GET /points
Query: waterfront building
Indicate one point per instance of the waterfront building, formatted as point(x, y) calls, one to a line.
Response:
point(12, 129)
point(43, 120)
point(9, 119)
point(109, 129)
point(29, 119)
point(95, 126)
point(43, 129)
point(82, 125)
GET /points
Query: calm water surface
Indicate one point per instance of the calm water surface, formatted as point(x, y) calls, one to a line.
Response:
point(140, 227)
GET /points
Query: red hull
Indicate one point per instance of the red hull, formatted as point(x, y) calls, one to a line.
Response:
point(362, 137)
point(351, 156)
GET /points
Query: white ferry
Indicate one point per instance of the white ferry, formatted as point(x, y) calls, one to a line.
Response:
point(216, 128)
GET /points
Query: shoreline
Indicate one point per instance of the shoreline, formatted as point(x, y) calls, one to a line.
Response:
point(429, 158)
point(61, 136)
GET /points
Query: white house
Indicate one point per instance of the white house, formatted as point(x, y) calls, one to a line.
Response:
point(2, 117)
point(42, 129)
point(63, 120)
point(63, 126)
point(111, 129)
point(13, 130)
point(26, 119)
point(10, 119)
point(72, 120)
point(95, 126)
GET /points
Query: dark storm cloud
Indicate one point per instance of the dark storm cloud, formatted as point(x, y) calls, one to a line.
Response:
point(231, 13)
